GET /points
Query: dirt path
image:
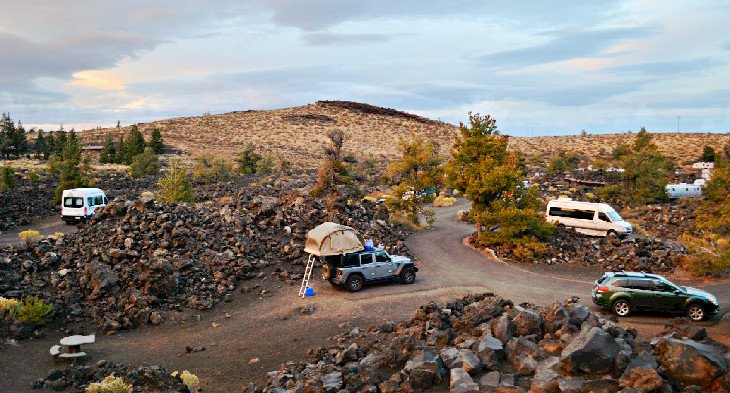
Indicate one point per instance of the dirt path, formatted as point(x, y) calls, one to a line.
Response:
point(268, 328)
point(46, 226)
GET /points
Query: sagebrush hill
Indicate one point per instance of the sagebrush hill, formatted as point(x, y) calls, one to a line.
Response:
point(298, 135)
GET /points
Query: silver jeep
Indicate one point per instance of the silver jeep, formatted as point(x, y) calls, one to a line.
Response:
point(355, 269)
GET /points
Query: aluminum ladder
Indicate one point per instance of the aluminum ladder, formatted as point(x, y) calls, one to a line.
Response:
point(307, 276)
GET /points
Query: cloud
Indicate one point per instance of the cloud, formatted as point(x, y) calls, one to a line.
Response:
point(335, 38)
point(561, 45)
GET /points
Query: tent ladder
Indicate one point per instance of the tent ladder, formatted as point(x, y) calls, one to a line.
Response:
point(307, 276)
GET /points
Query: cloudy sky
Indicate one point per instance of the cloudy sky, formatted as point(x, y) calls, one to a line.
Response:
point(539, 67)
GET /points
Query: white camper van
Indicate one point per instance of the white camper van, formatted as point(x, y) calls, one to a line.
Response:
point(595, 219)
point(684, 190)
point(79, 204)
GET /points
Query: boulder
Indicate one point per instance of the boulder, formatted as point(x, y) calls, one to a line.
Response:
point(332, 382)
point(692, 363)
point(593, 351)
point(425, 369)
point(461, 382)
point(461, 358)
point(490, 350)
point(546, 378)
point(643, 379)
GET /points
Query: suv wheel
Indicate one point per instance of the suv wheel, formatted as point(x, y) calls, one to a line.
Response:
point(355, 283)
point(696, 312)
point(621, 307)
point(408, 275)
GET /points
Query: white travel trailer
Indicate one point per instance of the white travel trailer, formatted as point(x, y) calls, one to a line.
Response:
point(595, 219)
point(79, 204)
point(684, 190)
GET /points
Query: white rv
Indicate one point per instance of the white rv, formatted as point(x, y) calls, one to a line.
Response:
point(684, 190)
point(595, 219)
point(79, 204)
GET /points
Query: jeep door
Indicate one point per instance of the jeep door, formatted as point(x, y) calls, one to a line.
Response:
point(383, 266)
point(367, 266)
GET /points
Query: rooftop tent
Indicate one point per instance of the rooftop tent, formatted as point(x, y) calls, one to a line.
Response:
point(333, 239)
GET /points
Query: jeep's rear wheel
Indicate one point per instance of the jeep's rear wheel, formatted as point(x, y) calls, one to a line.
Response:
point(696, 312)
point(621, 307)
point(408, 275)
point(355, 283)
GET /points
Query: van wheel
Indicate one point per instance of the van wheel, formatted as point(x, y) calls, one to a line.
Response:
point(408, 275)
point(696, 312)
point(621, 307)
point(611, 232)
point(355, 283)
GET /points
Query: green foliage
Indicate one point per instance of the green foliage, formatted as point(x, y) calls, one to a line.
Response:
point(109, 152)
point(515, 220)
point(33, 310)
point(175, 186)
point(135, 145)
point(265, 164)
point(208, 169)
point(708, 256)
point(145, 164)
point(7, 178)
point(7, 305)
point(418, 170)
point(110, 384)
point(486, 172)
point(620, 151)
point(564, 162)
point(29, 237)
point(156, 143)
point(121, 151)
point(68, 166)
point(609, 192)
point(708, 154)
point(13, 139)
point(646, 171)
point(247, 160)
point(41, 146)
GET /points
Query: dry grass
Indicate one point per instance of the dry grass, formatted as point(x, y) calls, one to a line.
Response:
point(295, 134)
point(684, 148)
point(298, 134)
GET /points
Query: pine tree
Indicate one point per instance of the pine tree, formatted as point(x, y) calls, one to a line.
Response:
point(68, 166)
point(121, 156)
point(708, 154)
point(109, 152)
point(156, 142)
point(646, 171)
point(145, 164)
point(135, 144)
point(175, 186)
point(7, 134)
point(40, 145)
point(20, 140)
point(60, 141)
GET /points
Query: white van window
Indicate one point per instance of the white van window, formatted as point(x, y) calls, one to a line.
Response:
point(106, 200)
point(98, 201)
point(572, 213)
point(73, 202)
point(614, 216)
point(89, 201)
point(603, 217)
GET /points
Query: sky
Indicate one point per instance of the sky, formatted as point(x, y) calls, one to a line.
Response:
point(538, 67)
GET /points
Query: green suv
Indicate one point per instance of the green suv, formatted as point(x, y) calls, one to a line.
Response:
point(625, 292)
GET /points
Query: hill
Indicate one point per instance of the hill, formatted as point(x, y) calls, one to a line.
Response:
point(296, 134)
point(684, 148)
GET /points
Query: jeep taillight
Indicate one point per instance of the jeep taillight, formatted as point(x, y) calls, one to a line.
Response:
point(601, 288)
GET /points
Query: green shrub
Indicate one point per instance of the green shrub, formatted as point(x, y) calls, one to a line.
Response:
point(110, 384)
point(145, 164)
point(7, 178)
point(208, 169)
point(708, 256)
point(33, 310)
point(609, 192)
point(265, 164)
point(175, 186)
point(7, 304)
point(247, 160)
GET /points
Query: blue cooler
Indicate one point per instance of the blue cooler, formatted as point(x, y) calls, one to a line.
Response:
point(369, 244)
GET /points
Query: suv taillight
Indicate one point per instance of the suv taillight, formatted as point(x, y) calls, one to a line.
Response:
point(339, 272)
point(601, 288)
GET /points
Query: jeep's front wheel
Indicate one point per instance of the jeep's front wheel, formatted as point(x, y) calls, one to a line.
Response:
point(355, 283)
point(408, 275)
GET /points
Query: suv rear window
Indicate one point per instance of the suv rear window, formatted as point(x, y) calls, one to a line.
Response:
point(351, 260)
point(73, 202)
point(620, 282)
point(366, 258)
point(642, 284)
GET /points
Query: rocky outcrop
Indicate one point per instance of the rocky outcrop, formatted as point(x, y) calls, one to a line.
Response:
point(454, 347)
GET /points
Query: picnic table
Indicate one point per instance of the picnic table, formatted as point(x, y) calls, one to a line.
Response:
point(73, 346)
